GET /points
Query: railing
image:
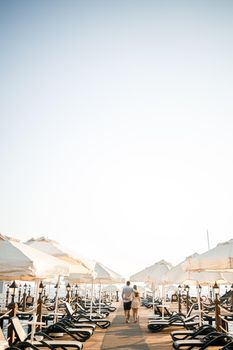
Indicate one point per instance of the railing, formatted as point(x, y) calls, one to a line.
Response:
point(225, 318)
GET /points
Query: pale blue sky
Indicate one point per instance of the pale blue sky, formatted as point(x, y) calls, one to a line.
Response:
point(116, 126)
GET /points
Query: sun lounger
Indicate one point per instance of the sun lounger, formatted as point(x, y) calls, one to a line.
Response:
point(94, 313)
point(212, 339)
point(69, 323)
point(176, 320)
point(77, 318)
point(20, 345)
point(75, 332)
point(189, 334)
point(228, 346)
point(162, 312)
point(104, 306)
point(45, 342)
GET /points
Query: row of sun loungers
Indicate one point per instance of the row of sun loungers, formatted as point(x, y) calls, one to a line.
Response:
point(71, 330)
point(186, 331)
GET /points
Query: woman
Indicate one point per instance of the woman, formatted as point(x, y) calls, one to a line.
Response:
point(136, 302)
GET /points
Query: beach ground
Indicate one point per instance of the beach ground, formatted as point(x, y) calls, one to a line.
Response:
point(132, 336)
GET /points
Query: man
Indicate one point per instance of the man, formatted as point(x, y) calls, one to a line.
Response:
point(127, 296)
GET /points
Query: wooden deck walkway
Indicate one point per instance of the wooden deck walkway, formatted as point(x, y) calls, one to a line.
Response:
point(132, 336)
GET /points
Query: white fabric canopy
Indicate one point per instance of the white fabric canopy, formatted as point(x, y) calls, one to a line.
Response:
point(101, 274)
point(80, 268)
point(219, 259)
point(18, 261)
point(152, 274)
point(178, 274)
point(104, 274)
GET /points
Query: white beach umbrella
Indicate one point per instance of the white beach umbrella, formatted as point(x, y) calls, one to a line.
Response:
point(216, 262)
point(153, 273)
point(178, 274)
point(80, 267)
point(18, 261)
point(102, 275)
point(219, 259)
point(105, 275)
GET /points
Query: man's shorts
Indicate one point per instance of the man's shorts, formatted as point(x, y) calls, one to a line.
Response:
point(127, 305)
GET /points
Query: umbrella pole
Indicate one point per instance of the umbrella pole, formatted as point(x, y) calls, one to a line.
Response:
point(56, 300)
point(33, 329)
point(199, 303)
point(163, 294)
point(85, 295)
point(100, 299)
point(153, 296)
point(92, 297)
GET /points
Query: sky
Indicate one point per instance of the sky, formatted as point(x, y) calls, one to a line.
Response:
point(116, 127)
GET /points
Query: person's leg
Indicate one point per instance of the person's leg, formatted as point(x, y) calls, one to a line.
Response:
point(130, 307)
point(134, 315)
point(126, 313)
point(126, 309)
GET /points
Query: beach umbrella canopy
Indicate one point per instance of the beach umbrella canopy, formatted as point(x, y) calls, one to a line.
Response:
point(18, 261)
point(218, 259)
point(153, 273)
point(178, 274)
point(104, 274)
point(80, 267)
point(101, 274)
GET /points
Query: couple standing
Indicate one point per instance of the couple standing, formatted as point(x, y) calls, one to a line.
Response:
point(131, 300)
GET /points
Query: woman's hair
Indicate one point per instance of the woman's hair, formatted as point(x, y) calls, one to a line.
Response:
point(135, 290)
